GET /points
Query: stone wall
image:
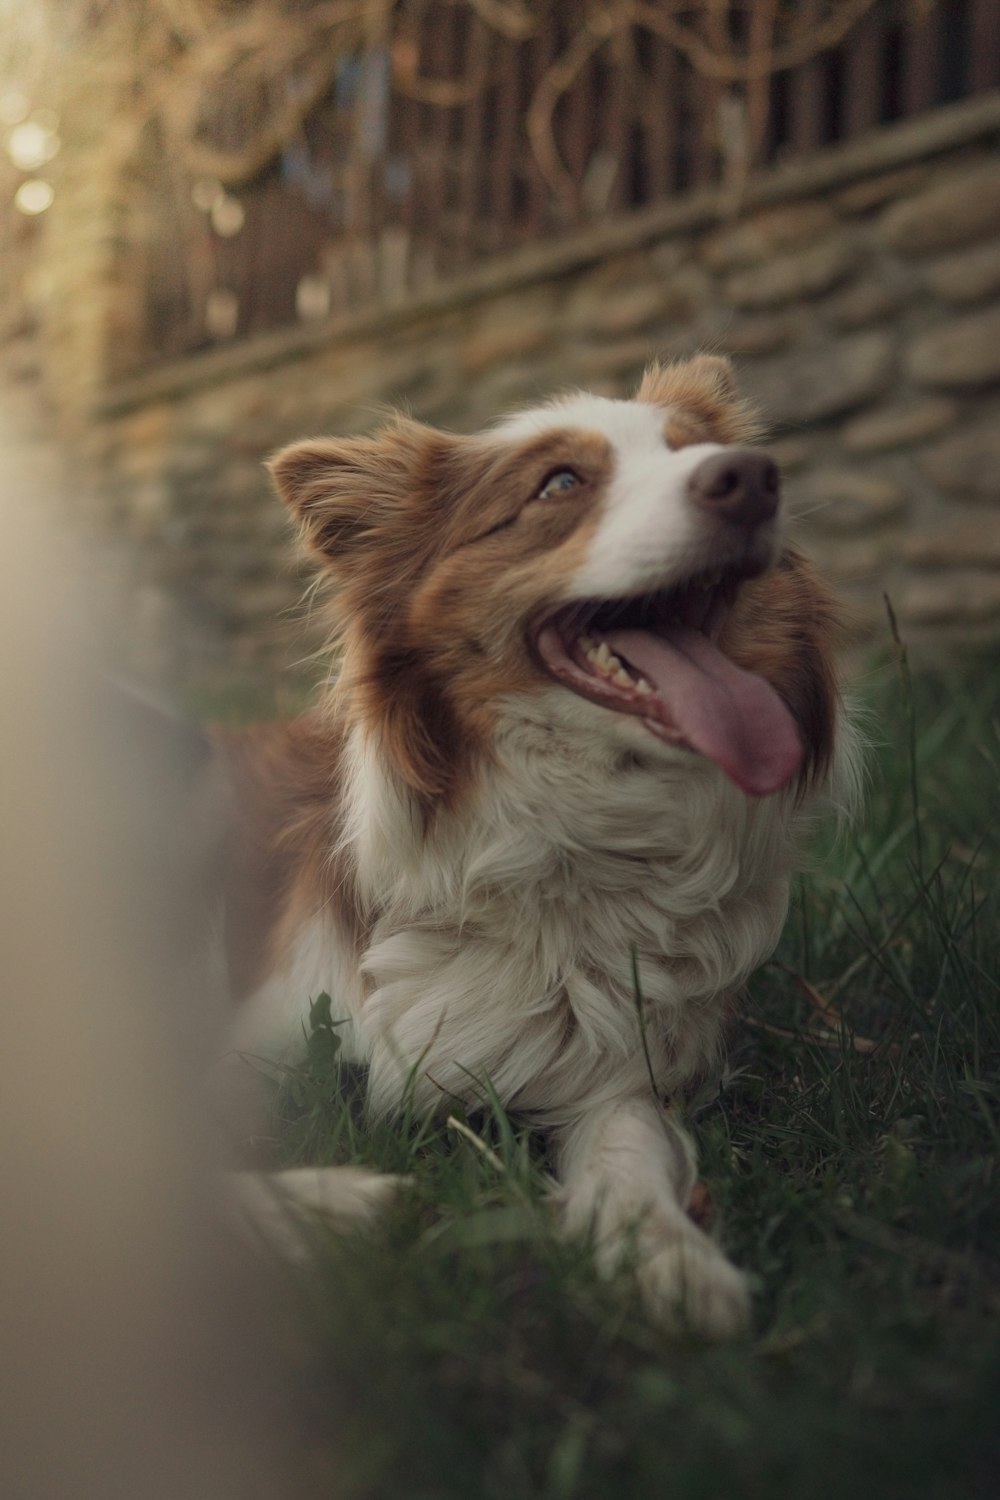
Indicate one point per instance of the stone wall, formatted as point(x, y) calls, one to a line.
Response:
point(857, 291)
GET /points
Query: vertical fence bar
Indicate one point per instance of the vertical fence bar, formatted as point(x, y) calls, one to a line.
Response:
point(538, 56)
point(476, 66)
point(403, 164)
point(625, 81)
point(357, 193)
point(984, 45)
point(659, 117)
point(703, 96)
point(439, 50)
point(863, 50)
point(806, 94)
point(508, 137)
point(921, 43)
point(577, 116)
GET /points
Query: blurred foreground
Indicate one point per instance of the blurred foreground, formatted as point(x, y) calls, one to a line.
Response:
point(140, 1356)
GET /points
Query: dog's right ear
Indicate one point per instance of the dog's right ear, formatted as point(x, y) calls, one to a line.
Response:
point(346, 493)
point(333, 489)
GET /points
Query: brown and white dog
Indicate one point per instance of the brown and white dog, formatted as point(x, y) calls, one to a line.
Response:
point(586, 698)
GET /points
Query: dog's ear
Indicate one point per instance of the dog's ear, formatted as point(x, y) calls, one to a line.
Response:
point(346, 493)
point(708, 374)
point(705, 389)
point(716, 372)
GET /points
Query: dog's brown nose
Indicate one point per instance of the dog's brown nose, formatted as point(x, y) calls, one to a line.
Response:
point(739, 485)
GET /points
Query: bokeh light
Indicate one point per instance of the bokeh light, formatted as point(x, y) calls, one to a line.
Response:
point(34, 196)
point(32, 144)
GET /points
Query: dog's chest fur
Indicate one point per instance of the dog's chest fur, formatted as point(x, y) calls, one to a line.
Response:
point(506, 940)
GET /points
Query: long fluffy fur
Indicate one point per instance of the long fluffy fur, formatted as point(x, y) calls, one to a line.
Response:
point(476, 862)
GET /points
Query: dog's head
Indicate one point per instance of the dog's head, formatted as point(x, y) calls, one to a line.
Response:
point(618, 561)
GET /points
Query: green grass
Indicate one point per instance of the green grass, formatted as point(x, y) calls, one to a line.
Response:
point(465, 1350)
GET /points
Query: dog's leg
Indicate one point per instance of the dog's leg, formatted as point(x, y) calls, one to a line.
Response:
point(627, 1171)
point(280, 1207)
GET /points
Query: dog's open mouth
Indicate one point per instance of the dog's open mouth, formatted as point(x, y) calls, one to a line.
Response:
point(657, 657)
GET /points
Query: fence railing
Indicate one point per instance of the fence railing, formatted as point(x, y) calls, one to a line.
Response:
point(447, 142)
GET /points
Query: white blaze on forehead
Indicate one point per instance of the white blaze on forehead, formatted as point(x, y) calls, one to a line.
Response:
point(649, 534)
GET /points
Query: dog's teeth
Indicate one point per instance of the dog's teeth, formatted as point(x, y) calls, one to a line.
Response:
point(603, 660)
point(606, 664)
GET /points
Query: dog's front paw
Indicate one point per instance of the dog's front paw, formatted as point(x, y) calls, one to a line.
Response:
point(689, 1286)
point(279, 1207)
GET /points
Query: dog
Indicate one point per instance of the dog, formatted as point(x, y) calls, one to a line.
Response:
point(540, 826)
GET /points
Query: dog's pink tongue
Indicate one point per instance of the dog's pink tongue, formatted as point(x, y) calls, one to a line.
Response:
point(735, 719)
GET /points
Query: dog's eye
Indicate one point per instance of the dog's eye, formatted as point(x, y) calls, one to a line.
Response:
point(559, 483)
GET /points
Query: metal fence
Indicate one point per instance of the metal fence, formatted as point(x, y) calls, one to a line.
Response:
point(449, 143)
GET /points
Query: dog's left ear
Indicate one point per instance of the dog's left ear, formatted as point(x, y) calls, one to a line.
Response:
point(704, 388)
point(710, 372)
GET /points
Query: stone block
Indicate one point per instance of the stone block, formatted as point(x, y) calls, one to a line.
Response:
point(962, 352)
point(813, 385)
point(255, 602)
point(756, 239)
point(491, 346)
point(872, 192)
point(247, 561)
point(506, 386)
point(148, 508)
point(970, 543)
point(790, 454)
point(628, 310)
point(139, 461)
point(638, 307)
point(215, 410)
point(616, 360)
point(149, 427)
point(752, 336)
point(956, 210)
point(650, 302)
point(862, 304)
point(843, 501)
point(787, 278)
point(966, 598)
point(605, 276)
point(967, 464)
point(689, 288)
point(668, 255)
point(854, 560)
point(968, 276)
point(898, 426)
